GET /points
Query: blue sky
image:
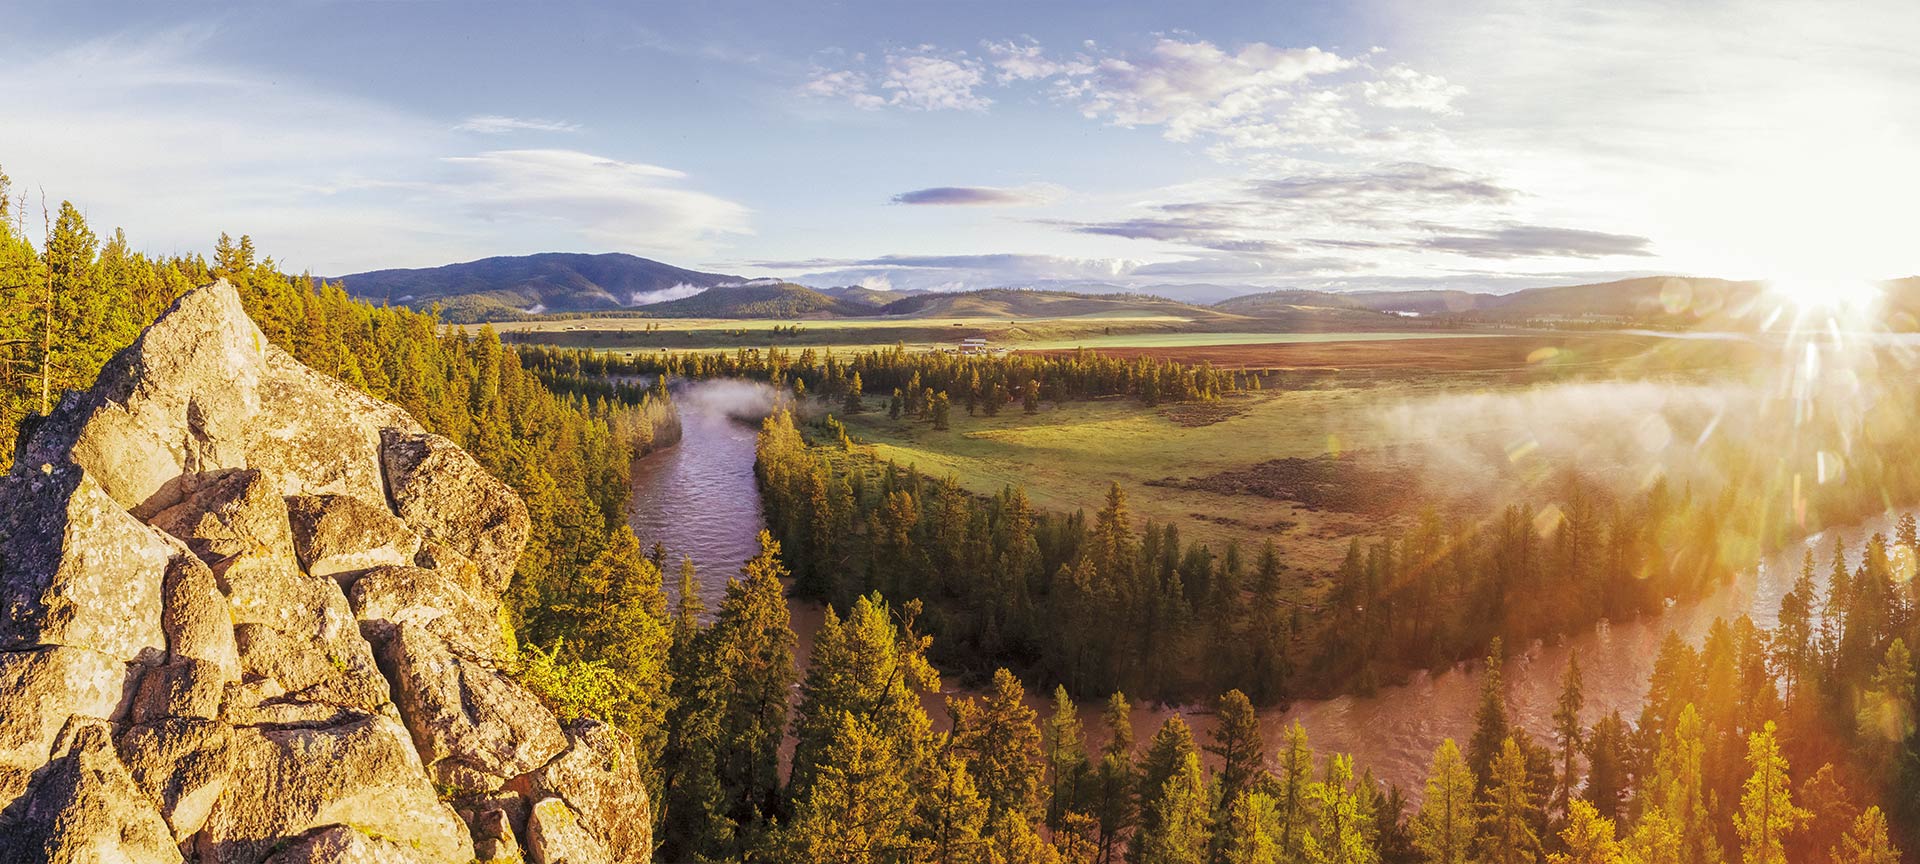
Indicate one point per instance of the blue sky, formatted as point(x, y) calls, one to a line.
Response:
point(1481, 144)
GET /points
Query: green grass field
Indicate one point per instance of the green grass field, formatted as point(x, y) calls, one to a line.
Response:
point(1067, 455)
point(1091, 331)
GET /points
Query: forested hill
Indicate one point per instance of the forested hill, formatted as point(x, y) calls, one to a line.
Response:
point(507, 287)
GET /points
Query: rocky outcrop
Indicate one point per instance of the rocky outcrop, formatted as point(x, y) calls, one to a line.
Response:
point(248, 614)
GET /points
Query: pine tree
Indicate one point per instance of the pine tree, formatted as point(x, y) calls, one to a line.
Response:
point(1237, 743)
point(1767, 813)
point(1679, 789)
point(942, 410)
point(1607, 760)
point(1165, 755)
point(862, 666)
point(1588, 837)
point(1443, 830)
point(1114, 807)
point(1066, 758)
point(1490, 720)
point(1886, 716)
point(695, 821)
point(1293, 795)
point(857, 810)
point(1182, 833)
point(1507, 811)
point(1568, 731)
point(949, 815)
point(753, 647)
point(1342, 823)
point(1001, 743)
point(1866, 842)
point(853, 404)
point(1247, 836)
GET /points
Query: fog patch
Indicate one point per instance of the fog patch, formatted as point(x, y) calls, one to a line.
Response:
point(678, 292)
point(733, 398)
point(1620, 436)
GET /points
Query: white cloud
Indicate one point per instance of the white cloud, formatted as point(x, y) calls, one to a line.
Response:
point(156, 133)
point(1195, 87)
point(497, 124)
point(927, 82)
point(1403, 87)
point(1255, 99)
point(610, 201)
point(843, 84)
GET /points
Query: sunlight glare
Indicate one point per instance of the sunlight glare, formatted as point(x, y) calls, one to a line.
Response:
point(1825, 294)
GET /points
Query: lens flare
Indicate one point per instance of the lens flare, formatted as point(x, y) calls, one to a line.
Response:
point(1825, 294)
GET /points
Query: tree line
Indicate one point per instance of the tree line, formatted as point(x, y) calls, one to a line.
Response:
point(1099, 603)
point(986, 383)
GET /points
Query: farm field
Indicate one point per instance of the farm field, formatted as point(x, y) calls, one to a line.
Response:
point(1091, 331)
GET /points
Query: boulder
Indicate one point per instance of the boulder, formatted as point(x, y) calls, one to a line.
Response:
point(231, 514)
point(388, 597)
point(341, 844)
point(196, 617)
point(442, 492)
point(556, 835)
point(201, 391)
point(319, 435)
point(474, 727)
point(84, 808)
point(182, 765)
point(171, 406)
point(363, 774)
point(601, 785)
point(180, 688)
point(493, 838)
point(40, 690)
point(341, 536)
point(80, 570)
point(308, 667)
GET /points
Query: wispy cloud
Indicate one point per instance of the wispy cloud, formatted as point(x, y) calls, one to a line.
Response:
point(973, 196)
point(497, 124)
point(918, 80)
point(608, 200)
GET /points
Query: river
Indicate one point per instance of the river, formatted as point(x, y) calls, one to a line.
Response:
point(699, 498)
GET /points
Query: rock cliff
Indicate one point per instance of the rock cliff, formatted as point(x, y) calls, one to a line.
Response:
point(248, 614)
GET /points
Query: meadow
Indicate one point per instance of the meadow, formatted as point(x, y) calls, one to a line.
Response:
point(1101, 330)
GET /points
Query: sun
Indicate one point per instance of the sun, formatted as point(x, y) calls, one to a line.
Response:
point(1825, 294)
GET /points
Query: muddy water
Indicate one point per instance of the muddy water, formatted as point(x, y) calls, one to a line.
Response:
point(699, 499)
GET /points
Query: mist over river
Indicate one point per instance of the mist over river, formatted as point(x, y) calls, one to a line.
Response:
point(699, 498)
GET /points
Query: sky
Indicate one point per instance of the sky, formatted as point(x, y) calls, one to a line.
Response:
point(1484, 145)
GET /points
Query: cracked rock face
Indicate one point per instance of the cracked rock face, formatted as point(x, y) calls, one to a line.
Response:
point(248, 614)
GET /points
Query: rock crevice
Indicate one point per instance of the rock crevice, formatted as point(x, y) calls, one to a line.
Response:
point(249, 614)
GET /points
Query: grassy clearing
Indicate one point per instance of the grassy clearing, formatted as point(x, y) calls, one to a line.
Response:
point(1067, 455)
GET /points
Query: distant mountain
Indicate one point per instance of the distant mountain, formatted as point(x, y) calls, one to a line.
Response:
point(1652, 299)
point(1026, 303)
point(509, 287)
point(764, 298)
